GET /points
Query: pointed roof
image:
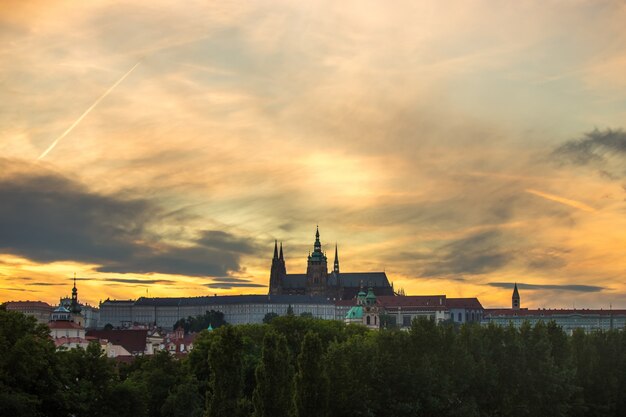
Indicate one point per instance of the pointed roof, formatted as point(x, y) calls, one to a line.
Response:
point(281, 251)
point(515, 292)
point(336, 264)
point(276, 249)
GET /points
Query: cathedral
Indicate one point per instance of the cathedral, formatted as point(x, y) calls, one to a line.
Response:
point(334, 285)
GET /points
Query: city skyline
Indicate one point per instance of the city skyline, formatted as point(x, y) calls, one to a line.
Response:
point(154, 148)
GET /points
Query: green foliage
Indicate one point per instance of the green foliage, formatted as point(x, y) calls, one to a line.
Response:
point(196, 324)
point(273, 393)
point(267, 319)
point(442, 370)
point(311, 381)
point(226, 381)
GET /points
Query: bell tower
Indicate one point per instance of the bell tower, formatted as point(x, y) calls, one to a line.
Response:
point(317, 269)
point(515, 300)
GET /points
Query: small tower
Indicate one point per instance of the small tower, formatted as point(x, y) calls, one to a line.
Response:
point(515, 305)
point(278, 271)
point(75, 308)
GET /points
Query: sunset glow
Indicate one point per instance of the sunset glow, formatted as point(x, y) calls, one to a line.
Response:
point(155, 148)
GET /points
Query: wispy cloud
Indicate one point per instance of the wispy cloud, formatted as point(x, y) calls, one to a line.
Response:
point(562, 200)
point(551, 287)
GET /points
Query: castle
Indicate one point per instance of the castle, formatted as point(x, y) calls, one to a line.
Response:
point(334, 285)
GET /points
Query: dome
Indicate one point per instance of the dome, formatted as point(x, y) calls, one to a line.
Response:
point(355, 312)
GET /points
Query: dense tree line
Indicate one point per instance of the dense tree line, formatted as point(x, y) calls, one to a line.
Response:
point(300, 366)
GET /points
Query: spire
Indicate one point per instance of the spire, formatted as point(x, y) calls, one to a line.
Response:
point(281, 251)
point(276, 249)
point(515, 299)
point(336, 266)
point(317, 246)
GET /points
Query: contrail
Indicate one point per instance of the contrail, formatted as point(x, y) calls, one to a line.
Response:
point(82, 116)
point(566, 201)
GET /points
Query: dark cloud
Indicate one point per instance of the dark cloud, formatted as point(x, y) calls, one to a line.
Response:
point(46, 217)
point(226, 285)
point(45, 284)
point(568, 287)
point(594, 147)
point(479, 253)
point(126, 280)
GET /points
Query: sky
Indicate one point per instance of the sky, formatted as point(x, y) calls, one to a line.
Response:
point(160, 148)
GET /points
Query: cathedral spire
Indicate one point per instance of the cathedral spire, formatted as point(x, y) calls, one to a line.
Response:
point(276, 249)
point(336, 266)
point(281, 251)
point(317, 246)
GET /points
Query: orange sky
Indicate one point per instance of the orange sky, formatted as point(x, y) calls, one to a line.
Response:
point(159, 148)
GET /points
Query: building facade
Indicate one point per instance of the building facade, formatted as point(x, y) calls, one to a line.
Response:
point(318, 281)
point(38, 309)
point(568, 319)
point(237, 309)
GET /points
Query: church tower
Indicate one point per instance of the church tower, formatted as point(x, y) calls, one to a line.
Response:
point(278, 271)
point(317, 269)
point(336, 264)
point(515, 305)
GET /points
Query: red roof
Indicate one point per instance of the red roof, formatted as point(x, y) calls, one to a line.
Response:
point(64, 325)
point(543, 312)
point(469, 303)
point(68, 340)
point(133, 341)
point(27, 304)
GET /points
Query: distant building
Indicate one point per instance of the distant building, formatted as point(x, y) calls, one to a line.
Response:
point(237, 309)
point(90, 313)
point(317, 281)
point(568, 319)
point(400, 311)
point(38, 309)
point(365, 312)
point(67, 325)
point(465, 310)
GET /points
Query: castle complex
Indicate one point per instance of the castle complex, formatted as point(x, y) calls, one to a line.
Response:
point(334, 285)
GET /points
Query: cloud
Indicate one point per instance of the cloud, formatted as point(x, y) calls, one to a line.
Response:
point(127, 280)
point(595, 147)
point(226, 286)
point(566, 287)
point(47, 217)
point(479, 253)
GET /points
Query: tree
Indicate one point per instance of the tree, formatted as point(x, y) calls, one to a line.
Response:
point(195, 324)
point(289, 310)
point(29, 368)
point(311, 381)
point(306, 314)
point(273, 393)
point(267, 319)
point(226, 367)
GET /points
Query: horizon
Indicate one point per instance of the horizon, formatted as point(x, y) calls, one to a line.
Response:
point(156, 148)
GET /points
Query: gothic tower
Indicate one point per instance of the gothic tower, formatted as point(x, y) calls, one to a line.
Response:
point(278, 271)
point(317, 269)
point(336, 264)
point(515, 298)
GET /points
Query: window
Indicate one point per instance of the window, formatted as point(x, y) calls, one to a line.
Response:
point(460, 318)
point(368, 320)
point(406, 321)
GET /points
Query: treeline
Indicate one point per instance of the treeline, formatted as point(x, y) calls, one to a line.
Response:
point(299, 366)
